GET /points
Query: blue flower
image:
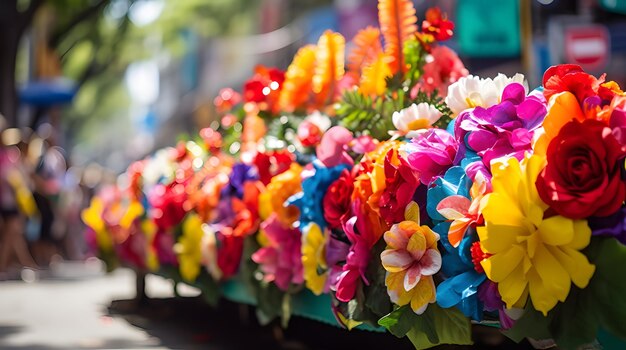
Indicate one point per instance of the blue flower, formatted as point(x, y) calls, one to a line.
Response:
point(309, 201)
point(460, 288)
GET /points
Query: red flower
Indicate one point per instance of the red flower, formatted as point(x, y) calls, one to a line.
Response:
point(402, 183)
point(264, 88)
point(229, 254)
point(437, 25)
point(226, 99)
point(572, 78)
point(167, 205)
point(582, 177)
point(309, 134)
point(337, 200)
point(272, 163)
point(445, 69)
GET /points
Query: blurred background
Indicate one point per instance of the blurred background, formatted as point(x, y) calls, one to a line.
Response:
point(87, 86)
point(108, 81)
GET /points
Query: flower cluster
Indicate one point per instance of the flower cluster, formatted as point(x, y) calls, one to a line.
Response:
point(412, 198)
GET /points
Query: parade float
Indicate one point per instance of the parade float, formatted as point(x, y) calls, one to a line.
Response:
point(385, 188)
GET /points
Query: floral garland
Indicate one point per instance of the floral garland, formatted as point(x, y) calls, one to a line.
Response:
point(418, 196)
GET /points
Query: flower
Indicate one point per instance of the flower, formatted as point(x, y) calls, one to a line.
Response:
point(240, 174)
point(226, 99)
point(314, 257)
point(431, 154)
point(437, 24)
point(188, 248)
point(464, 212)
point(363, 230)
point(332, 149)
point(336, 202)
point(611, 226)
point(504, 129)
point(280, 259)
point(572, 78)
point(472, 91)
point(443, 68)
point(264, 88)
point(411, 259)
point(309, 201)
point(463, 280)
point(401, 183)
point(228, 255)
point(583, 175)
point(272, 163)
point(274, 199)
point(167, 205)
point(163, 245)
point(531, 254)
point(415, 119)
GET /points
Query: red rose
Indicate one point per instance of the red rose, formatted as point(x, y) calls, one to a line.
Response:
point(582, 177)
point(337, 199)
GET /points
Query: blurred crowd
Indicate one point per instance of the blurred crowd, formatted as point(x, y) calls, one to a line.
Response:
point(41, 197)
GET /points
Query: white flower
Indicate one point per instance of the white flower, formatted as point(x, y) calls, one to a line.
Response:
point(160, 166)
point(321, 120)
point(415, 119)
point(472, 91)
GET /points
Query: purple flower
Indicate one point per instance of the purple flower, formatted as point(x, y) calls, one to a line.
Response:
point(431, 154)
point(612, 226)
point(505, 129)
point(240, 174)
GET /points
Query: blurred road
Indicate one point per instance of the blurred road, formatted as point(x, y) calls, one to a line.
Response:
point(69, 311)
point(77, 306)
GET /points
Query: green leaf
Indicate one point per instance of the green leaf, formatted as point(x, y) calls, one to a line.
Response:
point(434, 327)
point(210, 290)
point(533, 324)
point(376, 297)
point(399, 322)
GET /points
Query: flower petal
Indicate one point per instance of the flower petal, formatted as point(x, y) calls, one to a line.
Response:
point(396, 260)
point(430, 262)
point(412, 277)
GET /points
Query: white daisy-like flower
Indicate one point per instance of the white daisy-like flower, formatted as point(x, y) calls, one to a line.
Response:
point(472, 91)
point(415, 119)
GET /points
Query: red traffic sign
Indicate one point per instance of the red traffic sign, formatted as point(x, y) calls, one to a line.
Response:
point(587, 46)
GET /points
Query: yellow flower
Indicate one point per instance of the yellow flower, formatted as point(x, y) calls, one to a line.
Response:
point(92, 217)
point(532, 255)
point(281, 187)
point(411, 259)
point(314, 258)
point(149, 228)
point(189, 249)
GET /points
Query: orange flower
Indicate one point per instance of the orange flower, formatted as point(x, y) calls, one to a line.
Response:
point(282, 187)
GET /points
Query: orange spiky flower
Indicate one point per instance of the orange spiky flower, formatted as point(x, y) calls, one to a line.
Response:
point(367, 47)
point(398, 24)
point(329, 66)
point(298, 80)
point(374, 77)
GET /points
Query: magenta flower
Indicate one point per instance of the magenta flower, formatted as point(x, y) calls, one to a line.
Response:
point(281, 259)
point(431, 154)
point(505, 129)
point(363, 230)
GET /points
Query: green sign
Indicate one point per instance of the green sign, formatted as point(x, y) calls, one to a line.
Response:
point(617, 6)
point(488, 28)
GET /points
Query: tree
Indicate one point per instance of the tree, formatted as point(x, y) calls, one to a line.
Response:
point(15, 17)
